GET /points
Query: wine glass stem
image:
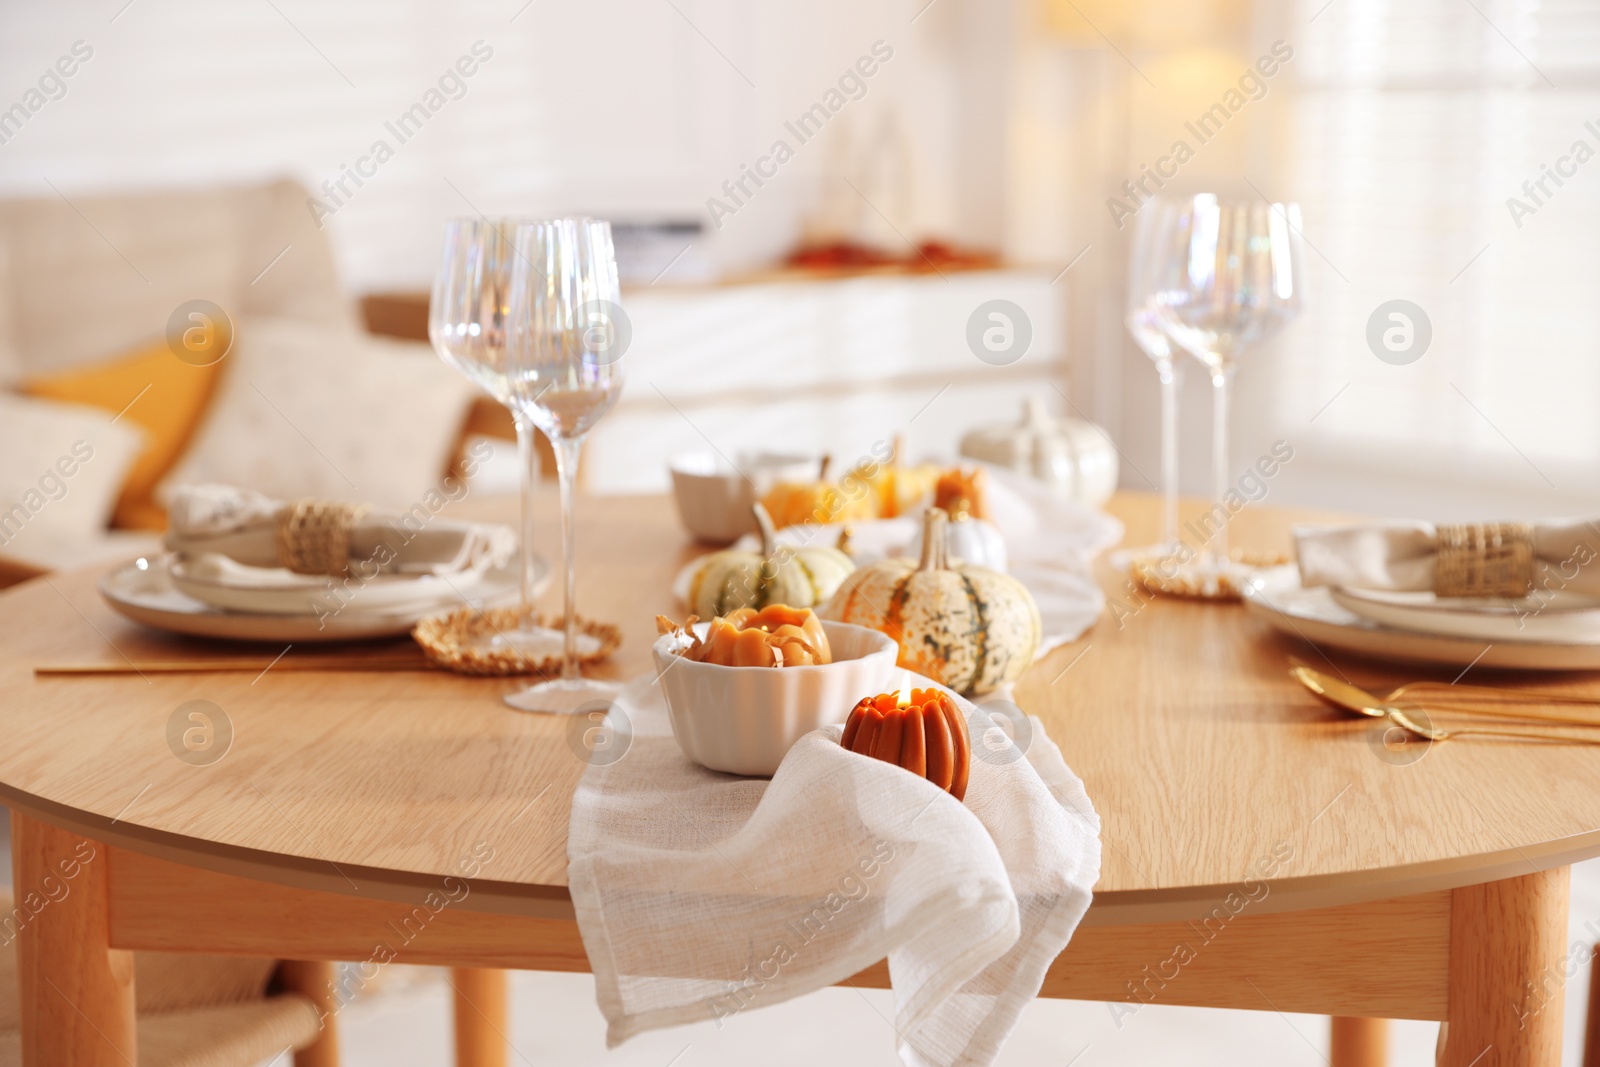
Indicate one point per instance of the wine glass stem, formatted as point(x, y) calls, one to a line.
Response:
point(566, 450)
point(1169, 453)
point(1221, 390)
point(528, 459)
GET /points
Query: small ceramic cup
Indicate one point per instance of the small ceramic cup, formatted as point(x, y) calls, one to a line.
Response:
point(714, 498)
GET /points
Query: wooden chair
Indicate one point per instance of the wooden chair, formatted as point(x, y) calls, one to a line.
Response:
point(1359, 1042)
point(1591, 1029)
point(194, 1011)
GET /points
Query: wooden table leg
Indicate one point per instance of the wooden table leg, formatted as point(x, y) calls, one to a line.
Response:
point(1507, 972)
point(480, 1016)
point(75, 991)
point(1358, 1042)
point(314, 979)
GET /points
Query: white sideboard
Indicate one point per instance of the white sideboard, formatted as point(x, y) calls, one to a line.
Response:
point(817, 366)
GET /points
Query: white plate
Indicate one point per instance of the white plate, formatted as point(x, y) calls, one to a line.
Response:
point(143, 591)
point(222, 583)
point(1565, 621)
point(1276, 597)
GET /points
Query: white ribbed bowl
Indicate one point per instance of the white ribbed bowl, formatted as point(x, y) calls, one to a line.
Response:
point(743, 720)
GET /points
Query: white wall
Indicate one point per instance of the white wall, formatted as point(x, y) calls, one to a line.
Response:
point(622, 108)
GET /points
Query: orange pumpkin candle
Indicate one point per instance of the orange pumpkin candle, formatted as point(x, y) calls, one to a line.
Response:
point(925, 735)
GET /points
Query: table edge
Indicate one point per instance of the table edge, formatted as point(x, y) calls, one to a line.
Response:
point(1110, 908)
point(1125, 907)
point(373, 883)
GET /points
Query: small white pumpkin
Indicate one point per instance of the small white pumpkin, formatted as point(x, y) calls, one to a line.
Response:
point(969, 627)
point(969, 540)
point(778, 574)
point(1071, 455)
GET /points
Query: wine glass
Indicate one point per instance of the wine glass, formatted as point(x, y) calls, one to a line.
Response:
point(467, 325)
point(566, 338)
point(1226, 275)
point(1146, 329)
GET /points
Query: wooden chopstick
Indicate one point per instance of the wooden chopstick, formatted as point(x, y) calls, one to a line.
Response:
point(203, 666)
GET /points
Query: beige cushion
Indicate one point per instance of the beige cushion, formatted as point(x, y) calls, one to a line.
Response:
point(63, 469)
point(19, 562)
point(85, 280)
point(240, 1035)
point(178, 981)
point(304, 284)
point(309, 411)
point(11, 366)
point(194, 1010)
point(163, 981)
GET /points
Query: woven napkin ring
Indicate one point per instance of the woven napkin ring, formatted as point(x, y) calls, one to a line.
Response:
point(1484, 559)
point(314, 536)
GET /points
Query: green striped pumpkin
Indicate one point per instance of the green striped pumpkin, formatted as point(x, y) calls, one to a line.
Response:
point(799, 577)
point(969, 627)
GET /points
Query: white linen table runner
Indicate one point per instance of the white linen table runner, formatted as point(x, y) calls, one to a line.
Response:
point(700, 895)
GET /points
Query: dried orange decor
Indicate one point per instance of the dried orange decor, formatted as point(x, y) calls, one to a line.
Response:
point(926, 736)
point(775, 636)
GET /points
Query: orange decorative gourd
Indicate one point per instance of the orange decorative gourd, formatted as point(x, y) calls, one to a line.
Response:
point(821, 501)
point(926, 736)
point(897, 489)
point(963, 490)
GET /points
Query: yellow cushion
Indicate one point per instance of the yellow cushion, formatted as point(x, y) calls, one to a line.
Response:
point(155, 391)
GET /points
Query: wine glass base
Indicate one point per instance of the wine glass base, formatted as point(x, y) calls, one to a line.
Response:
point(1204, 577)
point(537, 643)
point(1124, 559)
point(563, 696)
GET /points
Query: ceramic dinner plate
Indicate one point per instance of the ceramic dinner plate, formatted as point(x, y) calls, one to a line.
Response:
point(143, 590)
point(1276, 597)
point(222, 583)
point(1564, 619)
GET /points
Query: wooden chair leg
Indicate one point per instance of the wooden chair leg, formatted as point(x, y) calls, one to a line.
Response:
point(480, 1016)
point(1359, 1042)
point(1507, 971)
point(314, 979)
point(75, 992)
point(1591, 1026)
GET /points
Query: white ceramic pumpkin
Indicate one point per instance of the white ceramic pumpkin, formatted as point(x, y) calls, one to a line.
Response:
point(777, 574)
point(969, 627)
point(1074, 456)
point(969, 540)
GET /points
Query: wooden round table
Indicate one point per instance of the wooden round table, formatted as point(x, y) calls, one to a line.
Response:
point(1261, 851)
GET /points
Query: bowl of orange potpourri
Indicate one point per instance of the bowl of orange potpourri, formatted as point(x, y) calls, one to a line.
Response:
point(744, 687)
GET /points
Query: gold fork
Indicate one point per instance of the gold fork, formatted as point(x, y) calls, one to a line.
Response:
point(1305, 672)
point(1352, 697)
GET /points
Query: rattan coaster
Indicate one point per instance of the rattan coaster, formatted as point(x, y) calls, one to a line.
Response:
point(1152, 573)
point(450, 640)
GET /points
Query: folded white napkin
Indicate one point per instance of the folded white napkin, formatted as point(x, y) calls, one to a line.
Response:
point(700, 895)
point(242, 525)
point(1399, 555)
point(1051, 542)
